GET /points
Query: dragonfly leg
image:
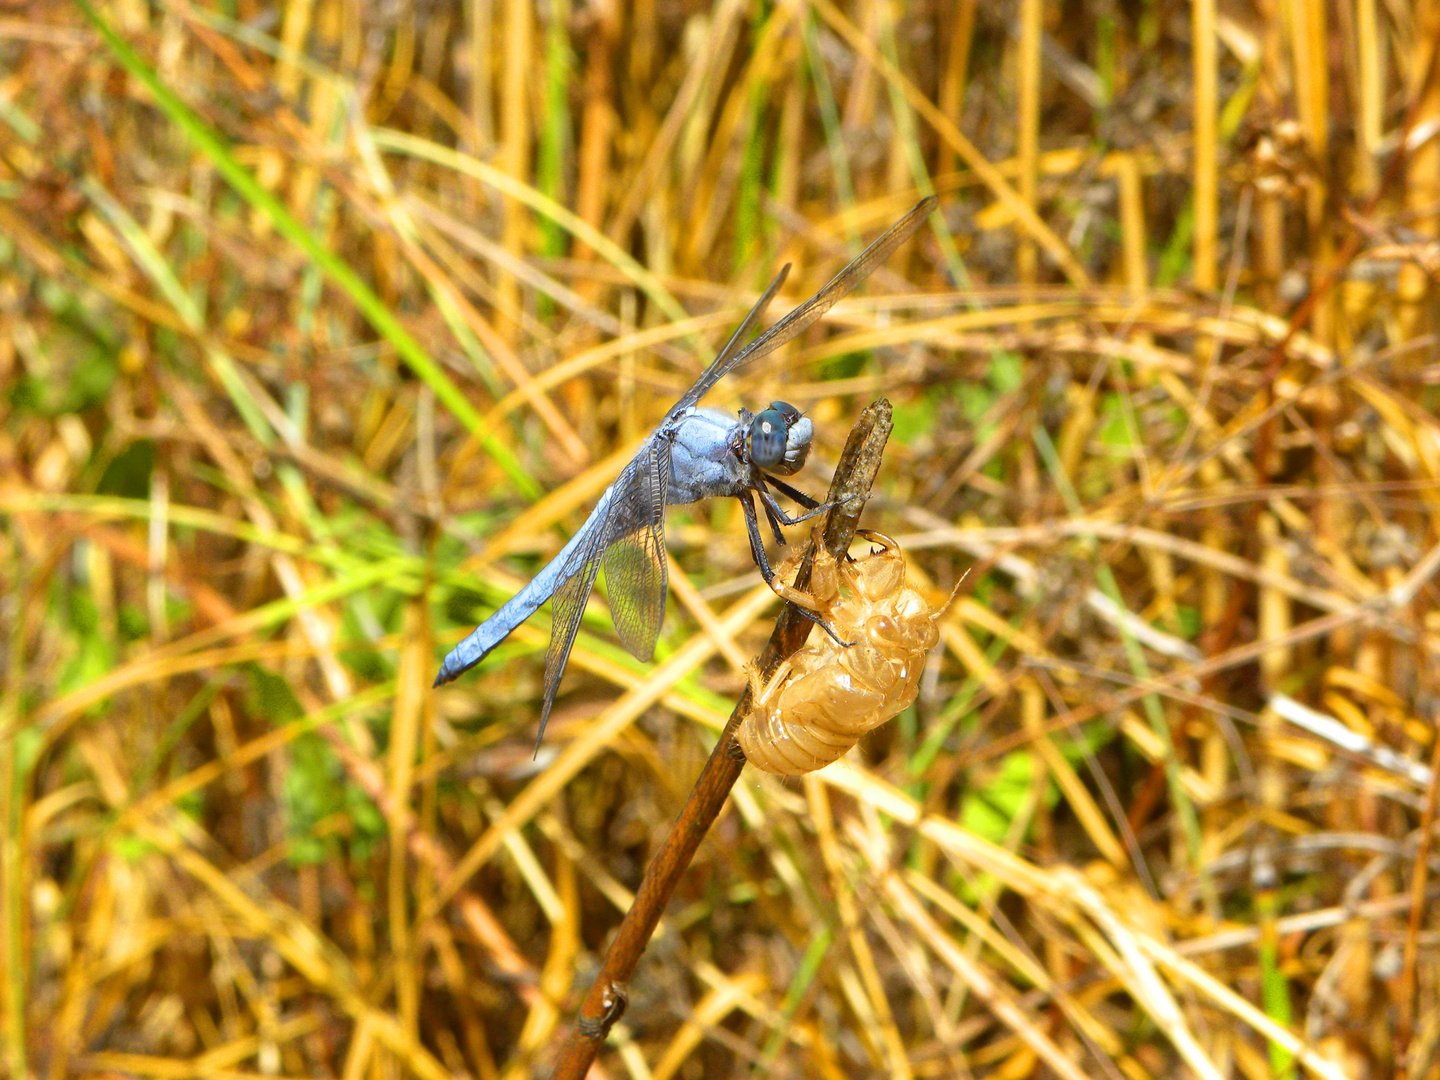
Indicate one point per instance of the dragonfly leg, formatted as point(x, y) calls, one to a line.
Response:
point(773, 516)
point(776, 514)
point(757, 546)
point(812, 508)
point(795, 495)
point(757, 552)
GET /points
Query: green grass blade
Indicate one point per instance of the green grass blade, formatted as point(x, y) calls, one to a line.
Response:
point(370, 305)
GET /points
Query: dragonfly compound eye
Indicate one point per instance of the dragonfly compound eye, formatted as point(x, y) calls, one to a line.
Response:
point(781, 418)
point(770, 435)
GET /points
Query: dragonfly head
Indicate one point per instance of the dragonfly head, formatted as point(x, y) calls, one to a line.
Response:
point(780, 439)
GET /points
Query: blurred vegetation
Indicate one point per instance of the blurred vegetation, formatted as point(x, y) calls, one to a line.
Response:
point(323, 324)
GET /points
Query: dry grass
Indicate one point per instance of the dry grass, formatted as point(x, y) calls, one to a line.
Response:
point(319, 330)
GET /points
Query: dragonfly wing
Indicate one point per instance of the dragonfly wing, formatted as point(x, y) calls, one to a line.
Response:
point(799, 320)
point(721, 364)
point(568, 603)
point(630, 516)
point(635, 571)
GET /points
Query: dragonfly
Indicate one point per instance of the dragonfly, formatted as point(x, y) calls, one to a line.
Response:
point(695, 453)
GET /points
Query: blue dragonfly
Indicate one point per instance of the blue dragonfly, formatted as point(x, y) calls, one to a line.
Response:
point(693, 454)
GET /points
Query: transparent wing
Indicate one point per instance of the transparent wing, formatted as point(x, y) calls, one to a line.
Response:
point(635, 572)
point(568, 603)
point(630, 541)
point(721, 363)
point(804, 316)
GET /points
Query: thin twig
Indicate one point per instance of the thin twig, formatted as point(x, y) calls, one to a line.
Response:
point(605, 1003)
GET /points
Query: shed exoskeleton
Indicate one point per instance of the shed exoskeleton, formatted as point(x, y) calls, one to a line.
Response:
point(820, 701)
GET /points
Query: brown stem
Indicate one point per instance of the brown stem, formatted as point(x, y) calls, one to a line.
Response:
point(605, 1003)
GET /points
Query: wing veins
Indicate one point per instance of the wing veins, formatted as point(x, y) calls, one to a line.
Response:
point(803, 317)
